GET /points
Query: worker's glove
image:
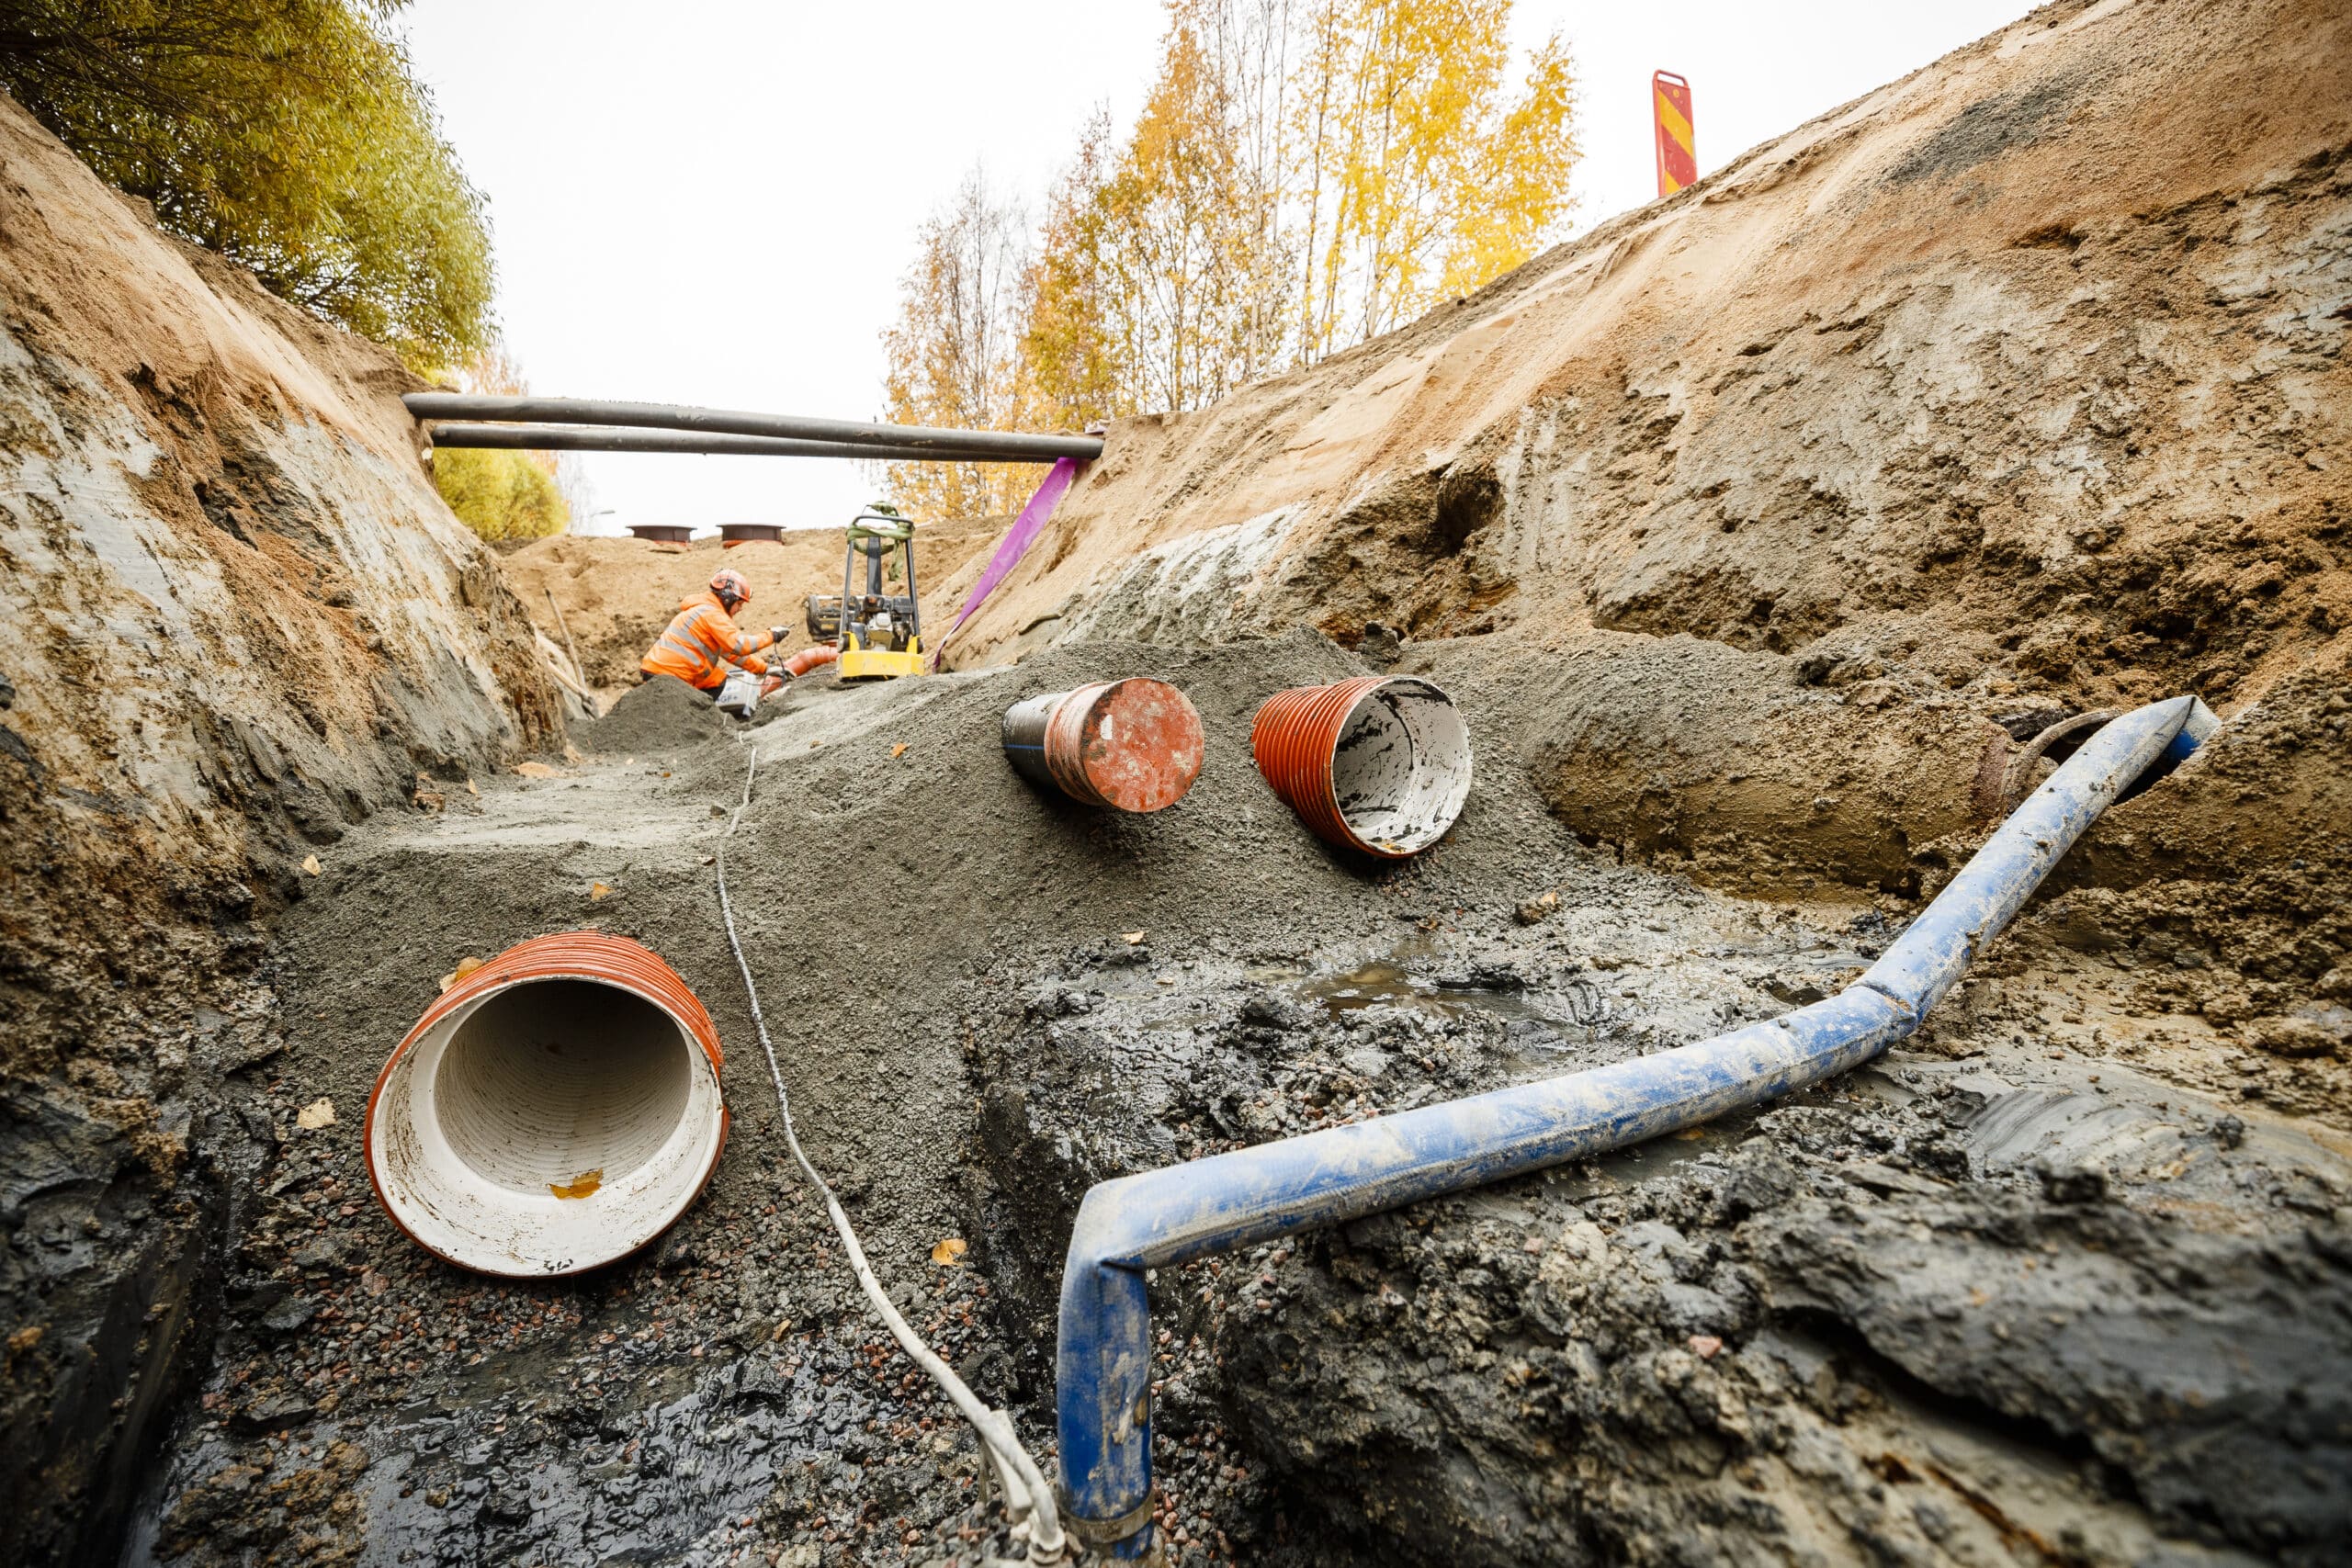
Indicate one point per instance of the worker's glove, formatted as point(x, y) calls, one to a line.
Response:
point(776, 635)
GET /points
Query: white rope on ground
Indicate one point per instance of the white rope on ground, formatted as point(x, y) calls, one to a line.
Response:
point(1027, 1498)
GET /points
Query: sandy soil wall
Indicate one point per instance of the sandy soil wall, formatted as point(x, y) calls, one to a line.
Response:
point(2015, 387)
point(235, 618)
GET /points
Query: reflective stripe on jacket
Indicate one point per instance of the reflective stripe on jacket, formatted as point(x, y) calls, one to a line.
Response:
point(701, 641)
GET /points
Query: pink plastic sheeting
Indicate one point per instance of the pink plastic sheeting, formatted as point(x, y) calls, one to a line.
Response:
point(1017, 539)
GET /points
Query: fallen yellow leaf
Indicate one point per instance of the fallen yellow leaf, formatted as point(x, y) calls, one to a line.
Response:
point(535, 770)
point(899, 750)
point(472, 789)
point(598, 893)
point(1131, 938)
point(309, 865)
point(950, 1251)
point(317, 1114)
point(579, 1186)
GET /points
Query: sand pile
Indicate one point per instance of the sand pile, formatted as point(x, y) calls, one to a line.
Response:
point(658, 719)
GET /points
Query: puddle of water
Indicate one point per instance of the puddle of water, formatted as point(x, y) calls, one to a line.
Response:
point(1540, 1024)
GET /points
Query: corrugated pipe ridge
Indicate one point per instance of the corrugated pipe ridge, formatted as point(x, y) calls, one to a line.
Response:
point(1379, 763)
point(532, 1122)
point(1172, 1215)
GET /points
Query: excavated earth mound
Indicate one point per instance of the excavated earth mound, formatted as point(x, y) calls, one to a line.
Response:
point(2008, 1285)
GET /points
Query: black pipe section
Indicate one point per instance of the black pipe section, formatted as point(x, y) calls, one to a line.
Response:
point(583, 438)
point(1001, 445)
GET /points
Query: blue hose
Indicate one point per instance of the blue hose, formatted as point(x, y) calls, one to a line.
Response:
point(1172, 1215)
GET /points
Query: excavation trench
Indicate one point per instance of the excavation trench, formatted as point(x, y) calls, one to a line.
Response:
point(986, 996)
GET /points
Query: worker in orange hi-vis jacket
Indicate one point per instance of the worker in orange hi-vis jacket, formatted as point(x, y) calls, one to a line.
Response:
point(701, 640)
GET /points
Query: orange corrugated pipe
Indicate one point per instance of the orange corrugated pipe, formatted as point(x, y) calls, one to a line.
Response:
point(1131, 745)
point(437, 1191)
point(1297, 737)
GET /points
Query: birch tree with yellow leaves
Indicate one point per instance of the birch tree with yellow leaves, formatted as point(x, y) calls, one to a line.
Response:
point(1422, 178)
point(954, 355)
point(1304, 175)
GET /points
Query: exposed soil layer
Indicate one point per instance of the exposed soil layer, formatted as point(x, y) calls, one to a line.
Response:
point(2019, 1282)
point(235, 619)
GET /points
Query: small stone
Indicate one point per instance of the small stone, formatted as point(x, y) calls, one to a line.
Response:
point(2071, 1183)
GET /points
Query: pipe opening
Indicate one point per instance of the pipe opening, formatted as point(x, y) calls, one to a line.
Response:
point(1401, 770)
point(557, 1110)
point(557, 1082)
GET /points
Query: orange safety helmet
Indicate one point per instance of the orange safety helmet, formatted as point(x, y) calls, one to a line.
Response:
point(729, 585)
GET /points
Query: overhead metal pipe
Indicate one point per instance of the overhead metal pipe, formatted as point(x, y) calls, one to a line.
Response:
point(592, 438)
point(1172, 1215)
point(1002, 445)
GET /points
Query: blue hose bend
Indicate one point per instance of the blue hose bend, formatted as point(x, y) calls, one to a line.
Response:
point(1179, 1213)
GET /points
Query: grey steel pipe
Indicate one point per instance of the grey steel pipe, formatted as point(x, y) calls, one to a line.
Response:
point(591, 438)
point(1000, 445)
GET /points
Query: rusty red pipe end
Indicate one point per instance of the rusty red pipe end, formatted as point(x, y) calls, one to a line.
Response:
point(1380, 764)
point(1131, 745)
point(555, 1109)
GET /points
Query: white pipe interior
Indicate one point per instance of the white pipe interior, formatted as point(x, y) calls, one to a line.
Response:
point(1402, 768)
point(547, 1126)
point(546, 1083)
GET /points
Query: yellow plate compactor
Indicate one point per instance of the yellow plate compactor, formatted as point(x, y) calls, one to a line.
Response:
point(879, 632)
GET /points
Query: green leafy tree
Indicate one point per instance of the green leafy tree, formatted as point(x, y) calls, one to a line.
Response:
point(289, 135)
point(499, 495)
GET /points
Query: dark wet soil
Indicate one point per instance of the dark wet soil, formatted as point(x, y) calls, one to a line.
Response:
point(1993, 1298)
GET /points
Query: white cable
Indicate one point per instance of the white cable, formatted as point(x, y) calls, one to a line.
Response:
point(1027, 1494)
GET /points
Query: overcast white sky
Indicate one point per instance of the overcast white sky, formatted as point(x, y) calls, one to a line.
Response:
point(711, 201)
